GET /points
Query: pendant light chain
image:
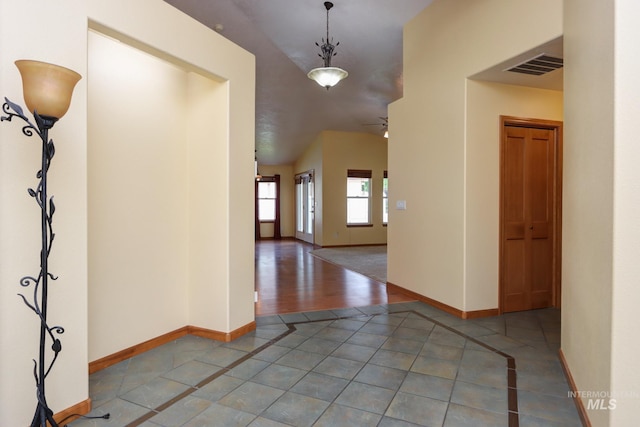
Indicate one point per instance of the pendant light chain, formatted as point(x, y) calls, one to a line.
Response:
point(328, 24)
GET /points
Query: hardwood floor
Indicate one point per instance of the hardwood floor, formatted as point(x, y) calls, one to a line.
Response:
point(289, 279)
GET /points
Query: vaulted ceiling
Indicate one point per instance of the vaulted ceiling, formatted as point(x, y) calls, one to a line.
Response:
point(292, 109)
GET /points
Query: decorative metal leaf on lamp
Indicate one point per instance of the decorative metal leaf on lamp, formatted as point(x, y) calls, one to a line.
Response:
point(47, 91)
point(327, 76)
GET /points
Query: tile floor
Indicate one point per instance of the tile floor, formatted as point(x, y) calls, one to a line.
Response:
point(405, 364)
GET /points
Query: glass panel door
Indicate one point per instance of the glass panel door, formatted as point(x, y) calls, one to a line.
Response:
point(305, 205)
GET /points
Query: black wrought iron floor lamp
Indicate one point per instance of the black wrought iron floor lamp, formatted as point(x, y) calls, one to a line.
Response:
point(47, 92)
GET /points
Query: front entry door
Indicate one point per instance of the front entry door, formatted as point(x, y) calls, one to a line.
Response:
point(530, 214)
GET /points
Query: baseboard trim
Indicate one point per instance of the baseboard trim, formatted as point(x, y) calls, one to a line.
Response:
point(221, 336)
point(112, 359)
point(351, 246)
point(582, 411)
point(437, 304)
point(73, 413)
point(243, 330)
point(442, 306)
point(477, 314)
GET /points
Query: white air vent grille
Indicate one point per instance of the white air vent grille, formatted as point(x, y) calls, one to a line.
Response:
point(538, 65)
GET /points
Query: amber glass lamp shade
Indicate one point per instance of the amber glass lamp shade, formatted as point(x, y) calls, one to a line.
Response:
point(47, 88)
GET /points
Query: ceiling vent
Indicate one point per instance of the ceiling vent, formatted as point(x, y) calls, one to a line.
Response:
point(537, 66)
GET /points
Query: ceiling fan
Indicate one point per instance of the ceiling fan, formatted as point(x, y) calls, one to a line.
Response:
point(384, 124)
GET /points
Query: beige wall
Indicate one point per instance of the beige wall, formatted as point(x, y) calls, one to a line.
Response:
point(19, 214)
point(600, 232)
point(486, 102)
point(207, 115)
point(195, 49)
point(330, 155)
point(625, 347)
point(601, 205)
point(312, 160)
point(351, 150)
point(588, 197)
point(137, 184)
point(182, 208)
point(437, 145)
point(287, 200)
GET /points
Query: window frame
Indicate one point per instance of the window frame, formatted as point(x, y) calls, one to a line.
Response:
point(267, 179)
point(360, 174)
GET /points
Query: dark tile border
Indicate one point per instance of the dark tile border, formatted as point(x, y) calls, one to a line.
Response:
point(512, 392)
point(210, 378)
point(512, 388)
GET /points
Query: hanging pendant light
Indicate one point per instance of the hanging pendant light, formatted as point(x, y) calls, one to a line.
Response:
point(327, 76)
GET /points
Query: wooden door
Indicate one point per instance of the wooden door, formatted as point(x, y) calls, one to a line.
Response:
point(530, 211)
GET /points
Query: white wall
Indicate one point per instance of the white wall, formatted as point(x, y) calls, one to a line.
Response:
point(432, 150)
point(57, 33)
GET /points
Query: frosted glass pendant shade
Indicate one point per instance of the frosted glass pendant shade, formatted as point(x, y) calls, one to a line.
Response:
point(47, 88)
point(327, 76)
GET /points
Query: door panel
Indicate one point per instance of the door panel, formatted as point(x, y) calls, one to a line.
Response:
point(513, 275)
point(528, 181)
point(542, 182)
point(516, 247)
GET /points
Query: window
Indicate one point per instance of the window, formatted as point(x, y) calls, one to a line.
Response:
point(266, 201)
point(267, 193)
point(358, 197)
point(385, 198)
